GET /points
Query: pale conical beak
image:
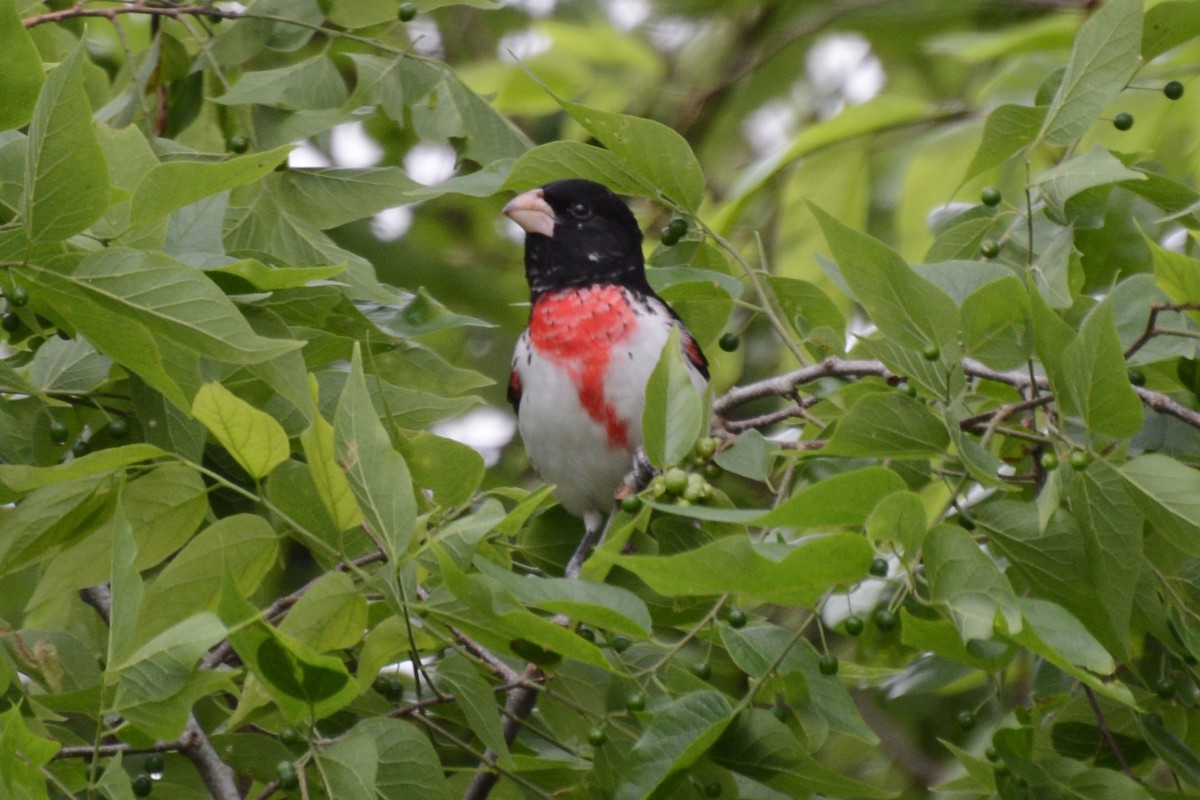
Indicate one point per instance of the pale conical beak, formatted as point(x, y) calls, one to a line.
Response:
point(531, 211)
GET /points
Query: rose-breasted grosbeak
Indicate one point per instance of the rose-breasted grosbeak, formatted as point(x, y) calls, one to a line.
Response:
point(596, 331)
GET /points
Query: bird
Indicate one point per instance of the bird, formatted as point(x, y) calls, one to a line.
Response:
point(595, 334)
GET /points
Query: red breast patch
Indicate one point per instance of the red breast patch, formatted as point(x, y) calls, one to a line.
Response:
point(578, 329)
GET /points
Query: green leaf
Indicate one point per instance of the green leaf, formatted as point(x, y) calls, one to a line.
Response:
point(677, 736)
point(168, 311)
point(1170, 748)
point(331, 197)
point(821, 704)
point(674, 415)
point(1176, 274)
point(888, 425)
point(812, 314)
point(761, 747)
point(304, 684)
point(22, 76)
point(1056, 636)
point(127, 590)
point(1103, 59)
point(312, 84)
point(596, 604)
point(349, 767)
point(995, 321)
point(844, 500)
point(478, 703)
point(1051, 270)
point(1093, 381)
point(376, 471)
point(787, 575)
point(1009, 129)
point(900, 302)
point(451, 471)
point(1112, 534)
point(256, 441)
point(319, 445)
point(66, 176)
point(161, 667)
point(658, 158)
point(1168, 25)
point(899, 518)
point(408, 764)
point(175, 184)
point(1168, 493)
point(244, 546)
point(331, 615)
point(23, 478)
point(965, 581)
point(1096, 167)
point(248, 275)
point(555, 160)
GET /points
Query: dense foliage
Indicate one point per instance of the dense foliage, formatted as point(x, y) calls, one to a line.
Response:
point(935, 530)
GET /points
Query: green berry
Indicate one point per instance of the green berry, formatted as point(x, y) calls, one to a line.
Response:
point(636, 701)
point(991, 754)
point(288, 779)
point(631, 504)
point(586, 633)
point(142, 786)
point(706, 447)
point(59, 432)
point(990, 196)
point(712, 789)
point(932, 352)
point(828, 664)
point(676, 480)
point(407, 12)
point(10, 322)
point(289, 735)
point(238, 143)
point(619, 643)
point(81, 448)
point(668, 238)
point(118, 428)
point(701, 670)
point(990, 248)
point(155, 764)
point(781, 712)
point(597, 736)
point(712, 471)
point(885, 620)
point(1080, 459)
point(906, 388)
point(854, 625)
point(1137, 377)
point(1049, 460)
point(736, 618)
point(1123, 121)
point(729, 342)
point(678, 227)
point(1173, 90)
point(879, 568)
point(18, 296)
point(966, 720)
point(391, 688)
point(1164, 688)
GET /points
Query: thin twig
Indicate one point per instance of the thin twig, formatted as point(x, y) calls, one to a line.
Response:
point(174, 12)
point(1102, 723)
point(1152, 328)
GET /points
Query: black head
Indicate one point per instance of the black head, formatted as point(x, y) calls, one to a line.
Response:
point(577, 233)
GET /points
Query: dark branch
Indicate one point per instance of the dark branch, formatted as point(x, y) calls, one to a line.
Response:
point(174, 12)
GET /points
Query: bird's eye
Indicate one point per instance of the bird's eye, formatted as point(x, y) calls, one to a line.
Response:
point(580, 211)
